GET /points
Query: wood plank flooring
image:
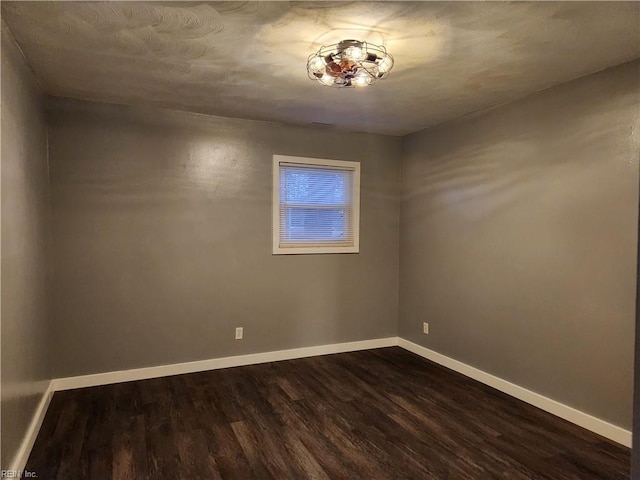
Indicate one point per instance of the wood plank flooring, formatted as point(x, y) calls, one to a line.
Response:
point(376, 414)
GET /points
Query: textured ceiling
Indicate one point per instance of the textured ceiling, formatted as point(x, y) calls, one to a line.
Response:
point(247, 59)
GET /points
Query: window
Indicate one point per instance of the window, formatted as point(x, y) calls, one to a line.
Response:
point(316, 205)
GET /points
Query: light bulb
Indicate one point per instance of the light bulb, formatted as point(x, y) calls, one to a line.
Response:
point(385, 64)
point(355, 53)
point(327, 79)
point(362, 80)
point(318, 64)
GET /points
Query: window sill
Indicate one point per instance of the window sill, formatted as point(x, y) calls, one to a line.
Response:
point(315, 250)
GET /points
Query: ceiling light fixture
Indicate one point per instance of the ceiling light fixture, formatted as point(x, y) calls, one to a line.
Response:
point(350, 63)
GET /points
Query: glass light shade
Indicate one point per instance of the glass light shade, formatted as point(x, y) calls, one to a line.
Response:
point(355, 53)
point(362, 80)
point(385, 64)
point(327, 80)
point(318, 64)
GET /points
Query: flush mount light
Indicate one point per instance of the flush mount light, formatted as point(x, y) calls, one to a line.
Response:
point(350, 63)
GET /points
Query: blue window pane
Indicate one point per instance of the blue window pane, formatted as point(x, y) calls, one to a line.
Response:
point(314, 187)
point(315, 224)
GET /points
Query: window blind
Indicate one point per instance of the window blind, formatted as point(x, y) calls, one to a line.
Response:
point(316, 205)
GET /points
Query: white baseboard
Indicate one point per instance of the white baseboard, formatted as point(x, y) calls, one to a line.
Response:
point(20, 460)
point(216, 363)
point(601, 427)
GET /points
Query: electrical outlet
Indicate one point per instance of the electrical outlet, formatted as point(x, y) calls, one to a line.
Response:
point(239, 333)
point(425, 328)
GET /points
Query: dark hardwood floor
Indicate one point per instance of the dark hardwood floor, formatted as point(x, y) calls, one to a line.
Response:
point(373, 414)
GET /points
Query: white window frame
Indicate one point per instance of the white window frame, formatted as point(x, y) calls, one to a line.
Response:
point(306, 248)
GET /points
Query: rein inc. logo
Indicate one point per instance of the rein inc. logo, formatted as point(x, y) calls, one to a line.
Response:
point(18, 474)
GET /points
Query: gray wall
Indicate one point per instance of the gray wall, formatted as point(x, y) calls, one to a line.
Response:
point(25, 228)
point(635, 454)
point(162, 240)
point(518, 241)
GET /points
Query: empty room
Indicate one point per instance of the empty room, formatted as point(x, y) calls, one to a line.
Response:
point(320, 240)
